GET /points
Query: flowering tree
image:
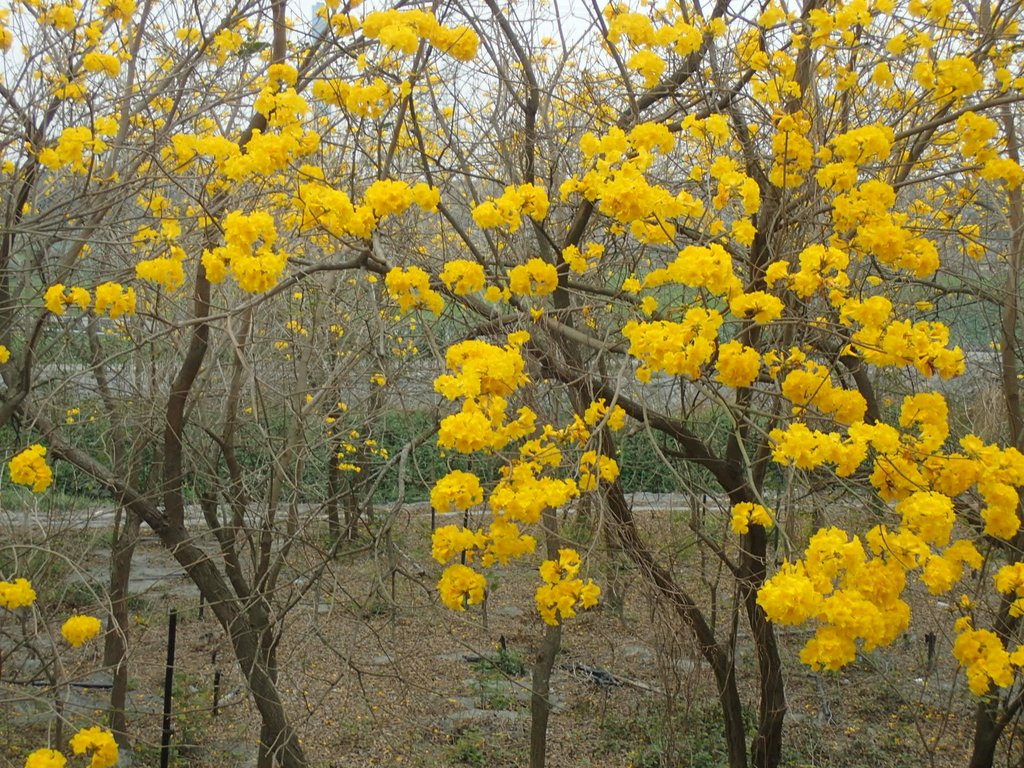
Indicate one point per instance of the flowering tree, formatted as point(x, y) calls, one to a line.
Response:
point(744, 229)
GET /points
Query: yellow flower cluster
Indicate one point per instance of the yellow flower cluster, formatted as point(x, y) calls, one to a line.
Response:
point(854, 598)
point(731, 179)
point(458, 490)
point(792, 150)
point(865, 144)
point(403, 30)
point(75, 149)
point(866, 210)
point(114, 300)
point(97, 741)
point(562, 592)
point(508, 209)
point(481, 369)
point(484, 376)
point(534, 278)
point(811, 385)
point(581, 261)
point(46, 758)
point(799, 446)
point(247, 252)
point(463, 277)
point(16, 594)
point(500, 543)
point(738, 365)
point(410, 289)
point(281, 108)
point(362, 98)
point(78, 630)
point(165, 271)
point(100, 743)
point(599, 410)
point(1010, 581)
point(923, 345)
point(5, 354)
point(102, 62)
point(57, 298)
point(851, 596)
point(957, 77)
point(331, 209)
point(482, 425)
point(746, 514)
point(697, 266)
point(390, 197)
point(758, 306)
point(984, 658)
point(266, 153)
point(595, 467)
point(523, 494)
point(676, 33)
point(821, 267)
point(678, 349)
point(460, 586)
point(617, 182)
point(30, 468)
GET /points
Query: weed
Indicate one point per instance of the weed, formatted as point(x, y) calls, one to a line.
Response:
point(469, 749)
point(505, 661)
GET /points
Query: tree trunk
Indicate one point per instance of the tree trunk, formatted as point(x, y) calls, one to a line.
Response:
point(986, 733)
point(766, 749)
point(719, 660)
point(115, 645)
point(540, 702)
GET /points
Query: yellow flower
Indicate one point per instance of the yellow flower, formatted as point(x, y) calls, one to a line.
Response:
point(738, 364)
point(102, 62)
point(457, 490)
point(115, 300)
point(30, 468)
point(463, 277)
point(163, 271)
point(761, 307)
point(460, 585)
point(534, 278)
point(410, 289)
point(98, 741)
point(78, 630)
point(562, 593)
point(16, 594)
point(745, 513)
point(595, 467)
point(45, 758)
point(5, 354)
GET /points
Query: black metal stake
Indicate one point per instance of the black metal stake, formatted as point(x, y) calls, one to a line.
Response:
point(216, 692)
point(202, 605)
point(165, 736)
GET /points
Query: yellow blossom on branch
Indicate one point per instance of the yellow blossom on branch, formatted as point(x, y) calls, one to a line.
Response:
point(45, 758)
point(534, 278)
point(100, 743)
point(410, 289)
point(458, 490)
point(78, 630)
point(460, 586)
point(30, 468)
point(562, 593)
point(16, 594)
point(463, 277)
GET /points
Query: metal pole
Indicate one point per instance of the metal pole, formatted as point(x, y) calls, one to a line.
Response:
point(165, 736)
point(216, 692)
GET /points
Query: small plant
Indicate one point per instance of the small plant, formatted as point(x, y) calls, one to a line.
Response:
point(507, 662)
point(468, 749)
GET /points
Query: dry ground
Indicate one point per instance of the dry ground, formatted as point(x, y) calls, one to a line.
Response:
point(373, 677)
